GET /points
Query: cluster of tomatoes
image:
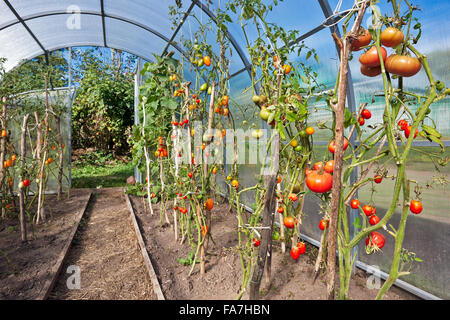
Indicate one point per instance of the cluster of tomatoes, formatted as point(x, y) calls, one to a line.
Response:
point(278, 63)
point(406, 128)
point(9, 162)
point(181, 209)
point(162, 150)
point(375, 240)
point(401, 65)
point(222, 106)
point(181, 123)
point(365, 115)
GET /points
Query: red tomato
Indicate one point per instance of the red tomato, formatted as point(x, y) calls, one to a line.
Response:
point(319, 182)
point(280, 209)
point(371, 58)
point(361, 121)
point(26, 182)
point(318, 165)
point(373, 220)
point(175, 208)
point(376, 240)
point(363, 39)
point(368, 210)
point(323, 224)
point(190, 174)
point(370, 71)
point(355, 204)
point(377, 178)
point(295, 253)
point(256, 242)
point(308, 171)
point(293, 197)
point(415, 206)
point(301, 247)
point(332, 145)
point(329, 166)
point(365, 113)
point(289, 222)
point(402, 124)
point(404, 66)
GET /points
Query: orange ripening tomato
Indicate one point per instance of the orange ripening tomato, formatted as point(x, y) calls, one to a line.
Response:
point(207, 61)
point(371, 58)
point(225, 111)
point(217, 109)
point(287, 69)
point(279, 179)
point(363, 39)
point(225, 100)
point(157, 154)
point(403, 66)
point(13, 157)
point(9, 163)
point(309, 130)
point(214, 170)
point(235, 183)
point(4, 133)
point(209, 204)
point(391, 37)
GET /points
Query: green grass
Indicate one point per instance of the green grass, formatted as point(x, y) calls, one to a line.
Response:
point(94, 170)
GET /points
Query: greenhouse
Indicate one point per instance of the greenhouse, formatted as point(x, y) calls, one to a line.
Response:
point(222, 150)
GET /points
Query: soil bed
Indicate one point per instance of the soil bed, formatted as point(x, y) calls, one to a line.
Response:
point(32, 263)
point(290, 279)
point(106, 251)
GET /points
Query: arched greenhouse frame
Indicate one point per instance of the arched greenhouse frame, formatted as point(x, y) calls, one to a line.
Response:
point(173, 166)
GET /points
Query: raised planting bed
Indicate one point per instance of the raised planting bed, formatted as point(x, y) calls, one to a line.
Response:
point(290, 279)
point(28, 270)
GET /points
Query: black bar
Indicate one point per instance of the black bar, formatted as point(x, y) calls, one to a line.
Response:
point(102, 8)
point(24, 24)
point(178, 28)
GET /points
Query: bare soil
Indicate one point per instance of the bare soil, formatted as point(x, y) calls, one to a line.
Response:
point(31, 262)
point(106, 250)
point(290, 279)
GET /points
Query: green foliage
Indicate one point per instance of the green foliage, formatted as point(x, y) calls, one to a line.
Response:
point(28, 76)
point(98, 168)
point(103, 112)
point(156, 95)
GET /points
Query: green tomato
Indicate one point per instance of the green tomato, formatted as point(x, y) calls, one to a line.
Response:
point(200, 62)
point(209, 90)
point(298, 148)
point(303, 134)
point(256, 99)
point(204, 87)
point(275, 235)
point(264, 114)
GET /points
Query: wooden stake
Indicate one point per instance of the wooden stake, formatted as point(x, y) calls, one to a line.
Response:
point(23, 154)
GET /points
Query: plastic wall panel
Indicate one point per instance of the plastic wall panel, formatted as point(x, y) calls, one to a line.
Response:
point(88, 33)
point(18, 41)
point(122, 35)
point(25, 7)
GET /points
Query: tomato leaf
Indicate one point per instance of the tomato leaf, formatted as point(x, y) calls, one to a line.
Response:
point(291, 117)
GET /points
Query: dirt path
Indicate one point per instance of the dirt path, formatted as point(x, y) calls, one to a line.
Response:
point(106, 251)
